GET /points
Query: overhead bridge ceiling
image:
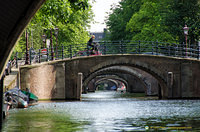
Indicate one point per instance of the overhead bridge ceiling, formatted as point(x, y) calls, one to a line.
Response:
point(14, 17)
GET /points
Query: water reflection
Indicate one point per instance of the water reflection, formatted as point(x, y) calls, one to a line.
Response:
point(39, 120)
point(107, 111)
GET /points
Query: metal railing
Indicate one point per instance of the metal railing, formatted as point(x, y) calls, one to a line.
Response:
point(109, 47)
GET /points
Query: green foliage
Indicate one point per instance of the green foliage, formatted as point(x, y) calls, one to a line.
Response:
point(145, 24)
point(70, 16)
point(154, 20)
point(119, 18)
point(181, 12)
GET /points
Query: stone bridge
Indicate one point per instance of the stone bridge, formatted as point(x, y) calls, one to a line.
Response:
point(175, 78)
point(172, 77)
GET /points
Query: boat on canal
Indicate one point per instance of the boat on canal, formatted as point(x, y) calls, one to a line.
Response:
point(32, 98)
point(17, 98)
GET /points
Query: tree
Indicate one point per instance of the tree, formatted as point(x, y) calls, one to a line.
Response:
point(119, 18)
point(70, 16)
point(146, 23)
point(152, 20)
point(183, 12)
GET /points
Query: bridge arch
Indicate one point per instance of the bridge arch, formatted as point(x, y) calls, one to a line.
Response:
point(156, 66)
point(120, 70)
point(112, 78)
point(150, 71)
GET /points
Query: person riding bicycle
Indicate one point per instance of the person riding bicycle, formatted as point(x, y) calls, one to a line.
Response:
point(90, 44)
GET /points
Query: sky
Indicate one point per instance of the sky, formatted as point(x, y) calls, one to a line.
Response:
point(100, 7)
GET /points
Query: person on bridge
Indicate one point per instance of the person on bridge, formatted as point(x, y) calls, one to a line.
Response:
point(90, 45)
point(90, 42)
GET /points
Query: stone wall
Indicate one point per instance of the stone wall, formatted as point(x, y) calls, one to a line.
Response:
point(58, 79)
point(186, 72)
point(47, 81)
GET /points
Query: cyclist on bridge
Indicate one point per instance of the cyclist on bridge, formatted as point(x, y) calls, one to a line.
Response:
point(90, 42)
point(91, 46)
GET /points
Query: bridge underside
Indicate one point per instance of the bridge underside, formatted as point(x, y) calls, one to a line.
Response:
point(135, 80)
point(15, 15)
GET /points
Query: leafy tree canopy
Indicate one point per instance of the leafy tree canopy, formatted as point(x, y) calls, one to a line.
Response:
point(70, 16)
point(146, 23)
point(153, 20)
point(119, 18)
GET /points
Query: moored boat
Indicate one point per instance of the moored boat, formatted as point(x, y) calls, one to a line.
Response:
point(32, 97)
point(20, 98)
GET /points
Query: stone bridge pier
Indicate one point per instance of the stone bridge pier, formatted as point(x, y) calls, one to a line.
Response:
point(174, 77)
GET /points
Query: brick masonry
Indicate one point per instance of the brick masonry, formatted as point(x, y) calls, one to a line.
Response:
point(58, 79)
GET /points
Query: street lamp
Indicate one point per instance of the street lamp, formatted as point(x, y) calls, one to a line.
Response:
point(56, 34)
point(44, 40)
point(27, 55)
point(186, 29)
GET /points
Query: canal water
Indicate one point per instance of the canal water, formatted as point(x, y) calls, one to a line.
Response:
point(106, 111)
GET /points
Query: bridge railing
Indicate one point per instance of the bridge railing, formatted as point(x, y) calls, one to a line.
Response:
point(109, 47)
point(151, 48)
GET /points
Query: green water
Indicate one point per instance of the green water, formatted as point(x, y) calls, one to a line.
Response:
point(107, 112)
point(24, 120)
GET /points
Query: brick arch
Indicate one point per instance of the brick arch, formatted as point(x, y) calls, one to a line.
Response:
point(115, 79)
point(115, 82)
point(106, 64)
point(156, 66)
point(113, 70)
point(141, 67)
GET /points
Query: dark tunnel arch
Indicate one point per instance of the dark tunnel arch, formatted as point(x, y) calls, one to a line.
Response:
point(113, 78)
point(112, 70)
point(152, 71)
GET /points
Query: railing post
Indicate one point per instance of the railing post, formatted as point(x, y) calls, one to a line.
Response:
point(198, 50)
point(169, 50)
point(70, 51)
point(121, 47)
point(62, 52)
point(52, 54)
point(191, 50)
point(47, 54)
point(26, 36)
point(152, 46)
point(88, 50)
point(104, 49)
point(16, 59)
point(182, 50)
point(30, 56)
point(139, 47)
point(175, 49)
point(156, 47)
point(39, 56)
point(51, 44)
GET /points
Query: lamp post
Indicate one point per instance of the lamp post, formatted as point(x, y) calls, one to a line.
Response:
point(51, 44)
point(27, 58)
point(44, 40)
point(56, 34)
point(185, 29)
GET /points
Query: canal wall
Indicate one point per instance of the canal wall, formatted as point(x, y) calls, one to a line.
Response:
point(11, 80)
point(46, 80)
